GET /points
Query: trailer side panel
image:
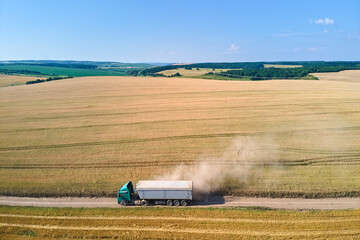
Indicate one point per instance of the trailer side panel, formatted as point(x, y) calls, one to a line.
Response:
point(164, 190)
point(165, 194)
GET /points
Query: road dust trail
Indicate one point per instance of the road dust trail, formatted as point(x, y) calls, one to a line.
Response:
point(185, 230)
point(197, 219)
point(218, 202)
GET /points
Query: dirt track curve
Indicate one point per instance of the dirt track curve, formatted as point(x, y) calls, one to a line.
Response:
point(220, 202)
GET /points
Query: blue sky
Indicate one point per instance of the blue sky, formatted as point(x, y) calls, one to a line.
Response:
point(180, 31)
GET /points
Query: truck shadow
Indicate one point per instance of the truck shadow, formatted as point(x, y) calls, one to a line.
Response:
point(209, 200)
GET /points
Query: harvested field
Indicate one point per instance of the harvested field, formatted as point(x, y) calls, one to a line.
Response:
point(186, 223)
point(11, 80)
point(281, 66)
point(191, 73)
point(342, 76)
point(87, 136)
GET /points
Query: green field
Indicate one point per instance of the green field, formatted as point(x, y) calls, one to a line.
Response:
point(88, 136)
point(62, 71)
point(168, 223)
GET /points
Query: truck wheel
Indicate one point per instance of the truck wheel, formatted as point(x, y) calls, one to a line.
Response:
point(169, 203)
point(184, 203)
point(176, 203)
point(144, 203)
point(123, 203)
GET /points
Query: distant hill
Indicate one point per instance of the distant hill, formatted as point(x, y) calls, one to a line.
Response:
point(253, 70)
point(214, 70)
point(41, 68)
point(159, 63)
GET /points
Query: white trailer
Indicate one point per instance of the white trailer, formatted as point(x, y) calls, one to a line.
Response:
point(165, 192)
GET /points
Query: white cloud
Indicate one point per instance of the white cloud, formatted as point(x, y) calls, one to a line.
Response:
point(325, 21)
point(325, 31)
point(314, 49)
point(233, 48)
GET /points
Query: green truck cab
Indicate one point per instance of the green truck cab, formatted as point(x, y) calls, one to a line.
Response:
point(125, 193)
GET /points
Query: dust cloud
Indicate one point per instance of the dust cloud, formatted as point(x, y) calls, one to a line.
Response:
point(243, 157)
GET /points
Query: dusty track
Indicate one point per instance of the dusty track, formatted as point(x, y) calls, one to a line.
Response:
point(276, 203)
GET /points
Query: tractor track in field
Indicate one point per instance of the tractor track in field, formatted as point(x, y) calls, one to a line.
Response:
point(210, 108)
point(213, 202)
point(165, 138)
point(343, 162)
point(186, 230)
point(189, 219)
point(344, 159)
point(167, 121)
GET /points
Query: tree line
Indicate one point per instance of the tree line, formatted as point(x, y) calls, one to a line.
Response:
point(318, 66)
point(12, 71)
point(47, 80)
point(64, 65)
point(281, 73)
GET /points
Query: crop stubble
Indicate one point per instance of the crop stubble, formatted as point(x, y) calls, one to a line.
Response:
point(184, 223)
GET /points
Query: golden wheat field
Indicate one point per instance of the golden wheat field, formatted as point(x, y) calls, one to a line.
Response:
point(343, 76)
point(11, 80)
point(168, 223)
point(88, 136)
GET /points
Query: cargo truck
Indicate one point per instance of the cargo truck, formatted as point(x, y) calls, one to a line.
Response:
point(171, 193)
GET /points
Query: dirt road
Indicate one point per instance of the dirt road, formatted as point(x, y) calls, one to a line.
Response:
point(276, 203)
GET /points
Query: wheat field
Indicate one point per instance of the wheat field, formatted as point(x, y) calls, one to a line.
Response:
point(87, 136)
point(342, 76)
point(11, 80)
